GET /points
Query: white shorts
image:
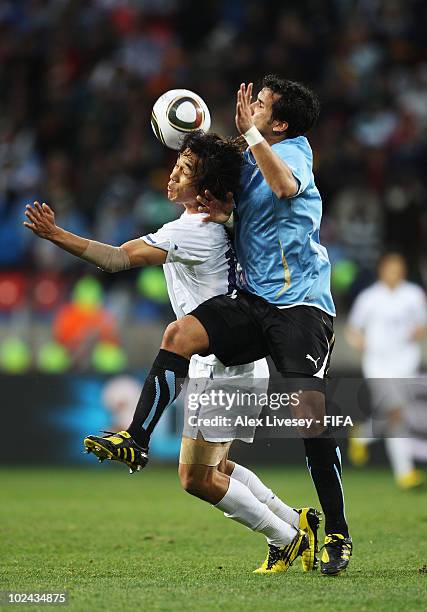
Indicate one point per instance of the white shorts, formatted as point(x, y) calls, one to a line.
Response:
point(387, 394)
point(209, 411)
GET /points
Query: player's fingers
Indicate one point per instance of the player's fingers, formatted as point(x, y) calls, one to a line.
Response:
point(229, 197)
point(38, 207)
point(242, 97)
point(202, 201)
point(35, 212)
point(209, 196)
point(29, 207)
point(244, 94)
point(44, 209)
point(248, 94)
point(30, 215)
point(30, 226)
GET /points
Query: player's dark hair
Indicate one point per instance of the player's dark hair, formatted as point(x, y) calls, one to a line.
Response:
point(219, 163)
point(297, 105)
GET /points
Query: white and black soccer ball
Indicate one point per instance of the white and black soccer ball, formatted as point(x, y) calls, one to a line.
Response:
point(176, 113)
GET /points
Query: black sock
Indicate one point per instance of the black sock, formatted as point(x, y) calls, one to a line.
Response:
point(162, 386)
point(323, 461)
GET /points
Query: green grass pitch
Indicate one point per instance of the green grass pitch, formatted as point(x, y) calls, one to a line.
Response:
point(120, 542)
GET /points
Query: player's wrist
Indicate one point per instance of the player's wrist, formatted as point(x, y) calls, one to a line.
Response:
point(253, 136)
point(56, 234)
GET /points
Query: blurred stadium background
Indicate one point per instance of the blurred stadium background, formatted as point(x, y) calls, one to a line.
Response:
point(77, 82)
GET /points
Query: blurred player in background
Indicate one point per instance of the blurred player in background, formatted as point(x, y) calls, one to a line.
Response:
point(283, 305)
point(198, 263)
point(386, 324)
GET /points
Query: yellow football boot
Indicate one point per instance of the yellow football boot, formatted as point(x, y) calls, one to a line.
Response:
point(309, 522)
point(358, 452)
point(411, 480)
point(118, 446)
point(281, 559)
point(337, 551)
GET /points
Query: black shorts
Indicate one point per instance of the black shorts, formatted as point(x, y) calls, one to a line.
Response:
point(243, 327)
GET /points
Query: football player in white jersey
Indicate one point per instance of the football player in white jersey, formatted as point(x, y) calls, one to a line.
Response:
point(199, 263)
point(386, 324)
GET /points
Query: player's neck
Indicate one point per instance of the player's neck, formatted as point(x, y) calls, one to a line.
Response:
point(192, 207)
point(274, 139)
point(393, 286)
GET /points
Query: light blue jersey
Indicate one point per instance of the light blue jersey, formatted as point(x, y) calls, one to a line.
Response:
point(277, 240)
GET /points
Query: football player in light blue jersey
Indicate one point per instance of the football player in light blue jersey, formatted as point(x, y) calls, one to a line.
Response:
point(277, 239)
point(282, 306)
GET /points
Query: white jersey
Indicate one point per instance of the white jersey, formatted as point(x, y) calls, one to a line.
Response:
point(387, 318)
point(200, 264)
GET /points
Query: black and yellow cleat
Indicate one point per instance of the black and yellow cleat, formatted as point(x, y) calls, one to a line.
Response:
point(118, 446)
point(309, 522)
point(281, 559)
point(337, 551)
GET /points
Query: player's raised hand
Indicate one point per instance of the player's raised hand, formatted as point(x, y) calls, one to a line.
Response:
point(244, 119)
point(41, 220)
point(218, 211)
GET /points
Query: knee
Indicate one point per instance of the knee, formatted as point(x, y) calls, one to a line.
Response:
point(186, 337)
point(226, 467)
point(193, 483)
point(172, 336)
point(311, 408)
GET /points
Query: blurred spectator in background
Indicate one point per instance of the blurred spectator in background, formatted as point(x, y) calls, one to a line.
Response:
point(84, 327)
point(78, 79)
point(120, 395)
point(386, 324)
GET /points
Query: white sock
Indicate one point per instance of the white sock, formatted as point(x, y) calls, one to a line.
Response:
point(400, 455)
point(364, 432)
point(241, 505)
point(265, 495)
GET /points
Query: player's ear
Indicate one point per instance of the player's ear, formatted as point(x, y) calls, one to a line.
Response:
point(279, 127)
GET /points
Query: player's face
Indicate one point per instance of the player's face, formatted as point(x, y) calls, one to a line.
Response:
point(182, 183)
point(392, 270)
point(262, 109)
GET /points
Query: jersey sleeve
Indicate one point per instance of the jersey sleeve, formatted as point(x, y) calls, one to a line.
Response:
point(359, 313)
point(299, 164)
point(179, 245)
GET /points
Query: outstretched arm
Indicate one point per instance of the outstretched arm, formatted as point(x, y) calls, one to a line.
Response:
point(275, 171)
point(41, 221)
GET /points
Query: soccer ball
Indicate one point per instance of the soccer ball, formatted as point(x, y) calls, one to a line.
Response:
point(176, 113)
